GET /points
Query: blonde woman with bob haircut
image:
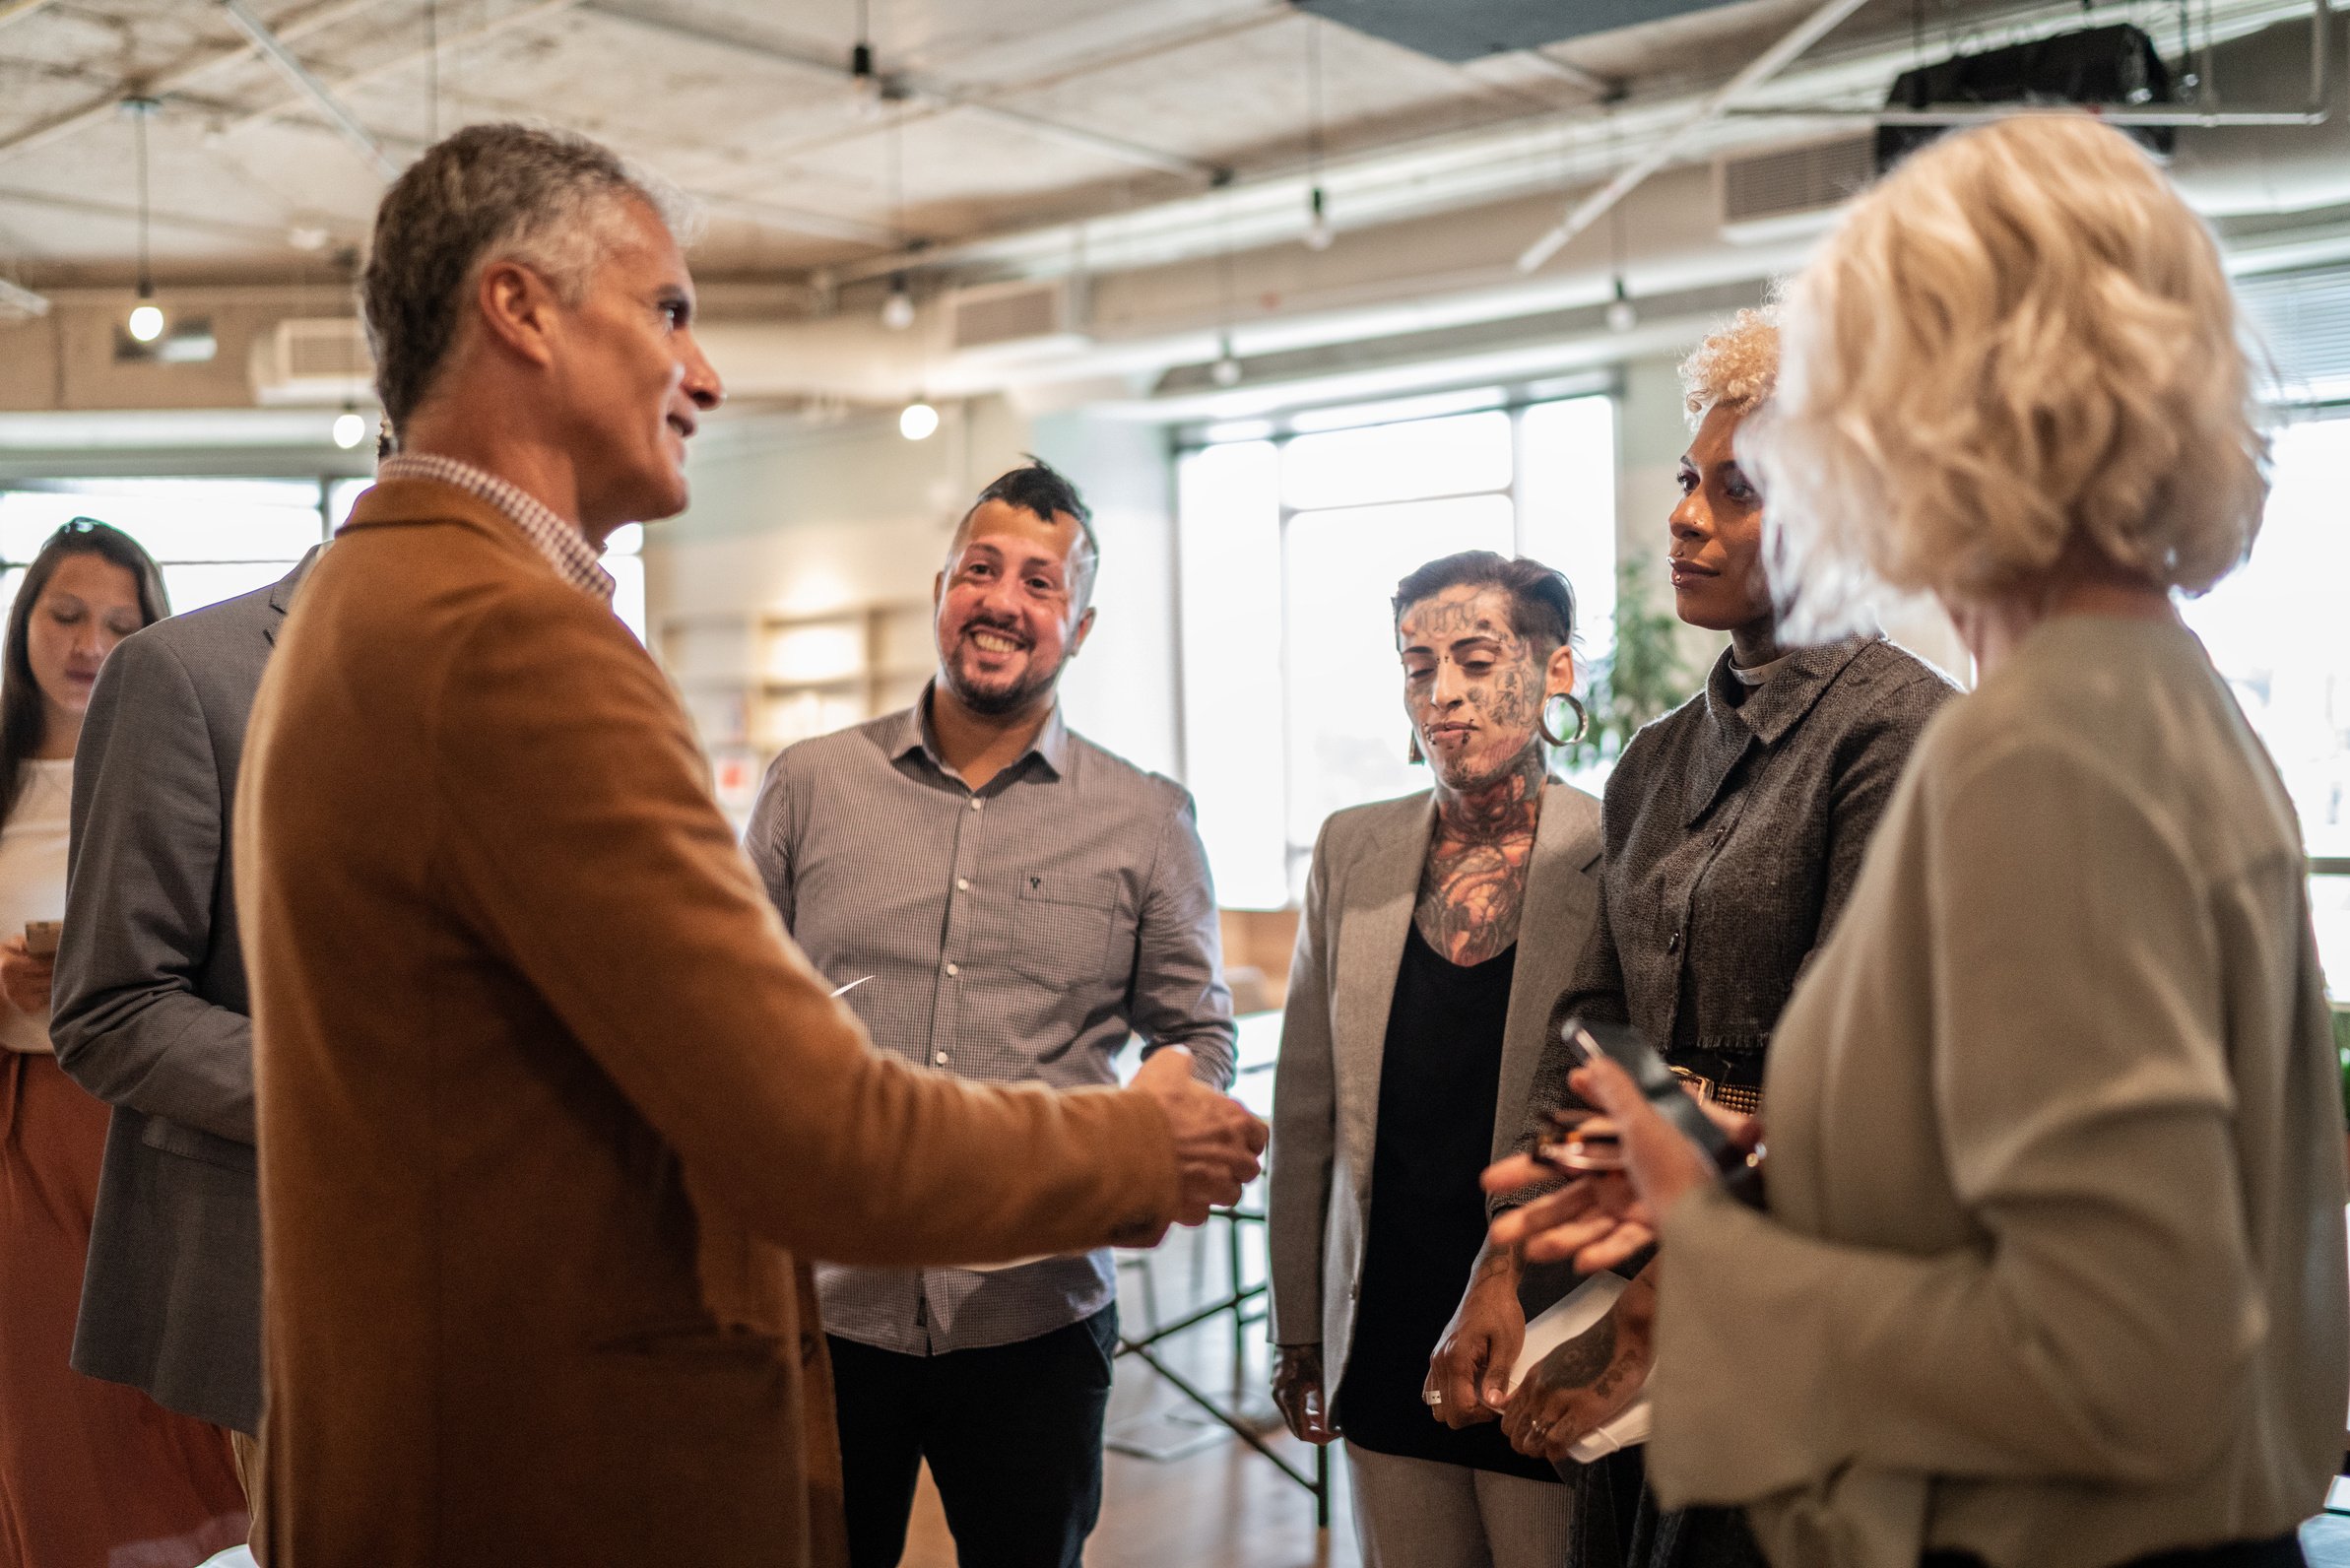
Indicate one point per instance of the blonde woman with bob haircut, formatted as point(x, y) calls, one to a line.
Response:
point(2051, 1270)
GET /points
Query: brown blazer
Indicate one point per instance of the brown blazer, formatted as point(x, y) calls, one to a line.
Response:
point(545, 1093)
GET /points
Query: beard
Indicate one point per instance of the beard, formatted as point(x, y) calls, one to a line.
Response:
point(995, 699)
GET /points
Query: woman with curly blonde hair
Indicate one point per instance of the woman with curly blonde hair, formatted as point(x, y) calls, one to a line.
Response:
point(2052, 1271)
point(1733, 830)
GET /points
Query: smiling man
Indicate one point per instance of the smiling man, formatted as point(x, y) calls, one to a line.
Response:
point(545, 1094)
point(1023, 900)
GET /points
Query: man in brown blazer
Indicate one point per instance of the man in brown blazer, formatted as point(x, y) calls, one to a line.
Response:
point(550, 1108)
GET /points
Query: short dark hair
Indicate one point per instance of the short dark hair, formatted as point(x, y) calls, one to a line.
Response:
point(484, 193)
point(1040, 488)
point(23, 717)
point(1541, 600)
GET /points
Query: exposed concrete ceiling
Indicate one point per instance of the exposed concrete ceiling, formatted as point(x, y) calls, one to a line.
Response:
point(1004, 116)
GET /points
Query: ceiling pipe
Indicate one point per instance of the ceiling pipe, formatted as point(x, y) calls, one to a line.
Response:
point(341, 117)
point(440, 49)
point(56, 127)
point(916, 85)
point(1777, 57)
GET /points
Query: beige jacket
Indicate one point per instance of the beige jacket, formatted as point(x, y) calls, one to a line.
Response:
point(2053, 1270)
point(1360, 894)
point(545, 1094)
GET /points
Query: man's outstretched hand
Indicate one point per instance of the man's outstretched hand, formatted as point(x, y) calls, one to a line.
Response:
point(1216, 1141)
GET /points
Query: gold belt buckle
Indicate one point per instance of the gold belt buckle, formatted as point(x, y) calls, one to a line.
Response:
point(1729, 1097)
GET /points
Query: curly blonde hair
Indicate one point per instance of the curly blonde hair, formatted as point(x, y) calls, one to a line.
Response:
point(2020, 335)
point(1737, 366)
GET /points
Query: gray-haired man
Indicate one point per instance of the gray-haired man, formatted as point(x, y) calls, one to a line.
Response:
point(1021, 900)
point(550, 1111)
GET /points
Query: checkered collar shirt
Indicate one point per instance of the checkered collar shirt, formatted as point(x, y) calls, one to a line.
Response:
point(1050, 748)
point(565, 548)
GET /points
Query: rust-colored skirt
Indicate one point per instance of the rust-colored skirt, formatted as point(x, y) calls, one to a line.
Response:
point(93, 1474)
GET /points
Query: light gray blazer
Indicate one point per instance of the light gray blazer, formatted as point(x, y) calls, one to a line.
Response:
point(152, 1012)
point(1359, 898)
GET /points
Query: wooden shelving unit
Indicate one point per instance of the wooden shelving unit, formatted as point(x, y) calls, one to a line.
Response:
point(755, 683)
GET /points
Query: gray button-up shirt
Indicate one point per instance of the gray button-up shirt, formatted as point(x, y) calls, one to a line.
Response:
point(1015, 933)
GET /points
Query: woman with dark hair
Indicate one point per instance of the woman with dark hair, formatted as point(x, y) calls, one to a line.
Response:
point(1414, 1020)
point(91, 1473)
point(1734, 829)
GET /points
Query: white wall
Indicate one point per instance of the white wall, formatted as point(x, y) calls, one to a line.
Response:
point(1121, 691)
point(801, 518)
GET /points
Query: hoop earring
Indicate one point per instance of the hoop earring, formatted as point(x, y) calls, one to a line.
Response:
point(1583, 720)
point(1411, 754)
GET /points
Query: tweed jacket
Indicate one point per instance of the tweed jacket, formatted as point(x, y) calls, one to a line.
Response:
point(151, 1009)
point(1360, 899)
point(550, 1108)
point(2052, 1270)
point(1734, 826)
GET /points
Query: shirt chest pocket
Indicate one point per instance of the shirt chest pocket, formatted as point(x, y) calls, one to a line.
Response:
point(1062, 926)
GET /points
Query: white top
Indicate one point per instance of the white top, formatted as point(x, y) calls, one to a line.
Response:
point(32, 879)
point(1756, 674)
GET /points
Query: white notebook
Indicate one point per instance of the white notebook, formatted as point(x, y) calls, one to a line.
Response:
point(1572, 1315)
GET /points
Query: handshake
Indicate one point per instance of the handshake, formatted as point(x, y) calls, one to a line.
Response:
point(1219, 1144)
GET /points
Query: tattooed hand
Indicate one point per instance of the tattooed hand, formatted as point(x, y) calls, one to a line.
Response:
point(1589, 1381)
point(1471, 1368)
point(1474, 690)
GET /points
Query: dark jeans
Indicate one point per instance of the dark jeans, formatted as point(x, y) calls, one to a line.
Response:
point(1012, 1435)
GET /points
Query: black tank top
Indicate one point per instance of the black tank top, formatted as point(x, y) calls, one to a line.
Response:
point(1437, 1083)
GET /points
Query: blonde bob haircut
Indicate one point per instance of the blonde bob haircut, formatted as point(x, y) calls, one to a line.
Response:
point(1736, 368)
point(2019, 339)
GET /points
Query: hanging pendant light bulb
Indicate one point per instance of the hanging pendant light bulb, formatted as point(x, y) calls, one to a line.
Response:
point(917, 421)
point(145, 323)
point(864, 83)
point(897, 310)
point(349, 429)
point(1621, 317)
point(1227, 369)
point(1318, 234)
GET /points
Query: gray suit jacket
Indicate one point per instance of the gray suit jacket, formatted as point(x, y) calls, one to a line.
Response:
point(1360, 899)
point(152, 1012)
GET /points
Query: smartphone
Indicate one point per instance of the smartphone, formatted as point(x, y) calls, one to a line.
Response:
point(1576, 1145)
point(1587, 1042)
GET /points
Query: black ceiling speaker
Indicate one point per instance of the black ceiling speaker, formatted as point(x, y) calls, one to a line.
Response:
point(2117, 66)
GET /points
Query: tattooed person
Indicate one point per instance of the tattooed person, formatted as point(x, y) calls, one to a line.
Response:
point(1414, 1021)
point(1734, 826)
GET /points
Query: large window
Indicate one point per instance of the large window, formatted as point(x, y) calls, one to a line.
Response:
point(2276, 630)
point(1291, 549)
point(218, 538)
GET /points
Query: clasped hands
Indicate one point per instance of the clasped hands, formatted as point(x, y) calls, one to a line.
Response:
point(1218, 1145)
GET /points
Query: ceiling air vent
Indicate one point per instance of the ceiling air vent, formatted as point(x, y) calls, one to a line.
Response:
point(1012, 318)
point(1792, 190)
point(312, 359)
